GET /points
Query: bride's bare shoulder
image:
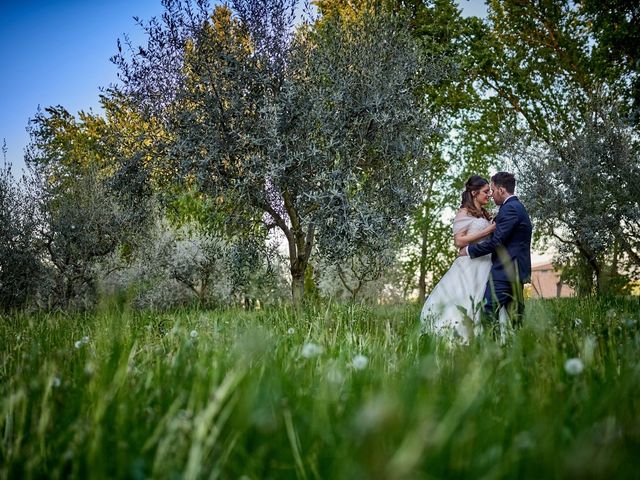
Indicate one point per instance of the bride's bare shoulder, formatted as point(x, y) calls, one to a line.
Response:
point(462, 212)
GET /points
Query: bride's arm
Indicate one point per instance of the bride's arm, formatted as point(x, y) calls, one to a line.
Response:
point(461, 239)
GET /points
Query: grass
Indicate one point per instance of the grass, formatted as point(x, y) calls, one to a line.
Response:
point(233, 394)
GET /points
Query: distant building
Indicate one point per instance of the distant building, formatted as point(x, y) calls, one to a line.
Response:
point(546, 282)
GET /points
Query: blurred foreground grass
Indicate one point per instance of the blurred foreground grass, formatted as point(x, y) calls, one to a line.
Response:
point(335, 391)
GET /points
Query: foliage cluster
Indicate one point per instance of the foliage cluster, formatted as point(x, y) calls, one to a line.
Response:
point(589, 200)
point(316, 131)
point(542, 70)
point(188, 265)
point(20, 269)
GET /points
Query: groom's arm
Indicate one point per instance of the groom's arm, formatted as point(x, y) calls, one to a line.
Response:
point(506, 221)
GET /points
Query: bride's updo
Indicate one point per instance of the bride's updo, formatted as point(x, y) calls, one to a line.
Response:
point(474, 184)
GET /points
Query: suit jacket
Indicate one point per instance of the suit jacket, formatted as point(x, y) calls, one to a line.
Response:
point(510, 244)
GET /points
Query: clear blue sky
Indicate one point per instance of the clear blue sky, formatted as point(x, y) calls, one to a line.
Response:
point(57, 53)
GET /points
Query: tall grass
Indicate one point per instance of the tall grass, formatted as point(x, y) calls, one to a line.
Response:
point(233, 394)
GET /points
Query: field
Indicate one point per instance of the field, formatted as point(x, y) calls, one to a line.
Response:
point(333, 391)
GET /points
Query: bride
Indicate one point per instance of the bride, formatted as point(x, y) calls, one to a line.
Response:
point(453, 306)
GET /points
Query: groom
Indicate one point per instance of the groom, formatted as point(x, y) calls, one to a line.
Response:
point(510, 249)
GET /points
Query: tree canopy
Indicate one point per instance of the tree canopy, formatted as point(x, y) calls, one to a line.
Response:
point(316, 131)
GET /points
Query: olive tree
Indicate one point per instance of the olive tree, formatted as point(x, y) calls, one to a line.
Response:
point(584, 193)
point(310, 128)
point(20, 266)
point(186, 264)
point(87, 202)
point(372, 278)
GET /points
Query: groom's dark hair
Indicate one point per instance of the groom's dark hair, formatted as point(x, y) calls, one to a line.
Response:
point(505, 180)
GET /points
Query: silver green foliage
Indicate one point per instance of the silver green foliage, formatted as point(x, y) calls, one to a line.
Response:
point(370, 278)
point(584, 192)
point(186, 265)
point(311, 128)
point(20, 267)
point(79, 223)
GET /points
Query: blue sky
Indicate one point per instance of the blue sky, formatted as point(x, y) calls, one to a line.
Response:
point(57, 53)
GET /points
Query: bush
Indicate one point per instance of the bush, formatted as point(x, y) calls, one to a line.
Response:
point(20, 267)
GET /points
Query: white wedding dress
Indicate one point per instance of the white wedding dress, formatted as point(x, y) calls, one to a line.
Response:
point(453, 307)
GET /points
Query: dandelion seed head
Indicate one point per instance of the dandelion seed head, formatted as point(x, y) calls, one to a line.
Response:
point(588, 349)
point(89, 369)
point(359, 362)
point(524, 441)
point(78, 343)
point(56, 382)
point(574, 366)
point(193, 334)
point(291, 331)
point(334, 375)
point(310, 350)
point(375, 414)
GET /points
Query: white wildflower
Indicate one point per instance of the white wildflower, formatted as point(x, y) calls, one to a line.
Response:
point(574, 366)
point(85, 339)
point(56, 382)
point(193, 334)
point(291, 331)
point(89, 368)
point(334, 375)
point(524, 441)
point(78, 343)
point(375, 413)
point(359, 362)
point(310, 350)
point(589, 346)
point(577, 322)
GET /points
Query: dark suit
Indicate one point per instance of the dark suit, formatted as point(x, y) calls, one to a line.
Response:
point(510, 249)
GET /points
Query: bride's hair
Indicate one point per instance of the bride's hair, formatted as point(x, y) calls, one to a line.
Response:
point(474, 184)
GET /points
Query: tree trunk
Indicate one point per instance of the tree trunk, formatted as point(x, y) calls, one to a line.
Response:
point(598, 272)
point(297, 287)
point(345, 283)
point(594, 265)
point(299, 254)
point(300, 244)
point(422, 279)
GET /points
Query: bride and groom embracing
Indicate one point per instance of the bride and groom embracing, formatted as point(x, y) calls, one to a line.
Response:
point(493, 263)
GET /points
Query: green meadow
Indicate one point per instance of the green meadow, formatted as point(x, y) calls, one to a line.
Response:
point(330, 391)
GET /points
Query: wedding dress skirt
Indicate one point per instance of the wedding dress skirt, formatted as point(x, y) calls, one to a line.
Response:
point(453, 307)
